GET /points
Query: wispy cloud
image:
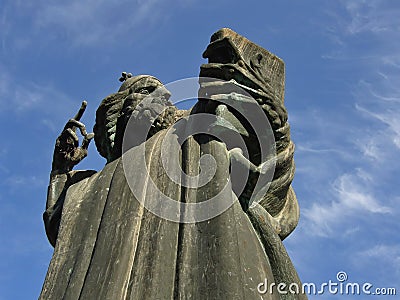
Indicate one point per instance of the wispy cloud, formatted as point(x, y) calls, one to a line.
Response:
point(310, 149)
point(374, 21)
point(350, 196)
point(391, 119)
point(25, 96)
point(378, 102)
point(371, 16)
point(89, 22)
point(390, 91)
point(370, 132)
point(353, 195)
point(19, 181)
point(383, 254)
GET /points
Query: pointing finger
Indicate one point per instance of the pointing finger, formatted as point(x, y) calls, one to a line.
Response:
point(79, 115)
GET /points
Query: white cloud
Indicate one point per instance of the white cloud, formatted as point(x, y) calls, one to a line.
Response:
point(24, 96)
point(5, 25)
point(374, 21)
point(3, 155)
point(82, 23)
point(371, 16)
point(370, 148)
point(381, 254)
point(354, 196)
point(377, 131)
point(20, 181)
point(4, 83)
point(310, 149)
point(378, 102)
point(95, 23)
point(390, 89)
point(389, 118)
point(388, 252)
point(350, 196)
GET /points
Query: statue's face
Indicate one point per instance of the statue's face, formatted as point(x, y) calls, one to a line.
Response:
point(146, 106)
point(137, 98)
point(141, 88)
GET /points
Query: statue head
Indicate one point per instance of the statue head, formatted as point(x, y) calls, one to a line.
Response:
point(117, 109)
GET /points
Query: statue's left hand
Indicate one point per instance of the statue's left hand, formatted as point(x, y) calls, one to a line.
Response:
point(67, 152)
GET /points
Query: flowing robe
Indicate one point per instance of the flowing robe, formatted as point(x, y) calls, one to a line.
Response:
point(111, 247)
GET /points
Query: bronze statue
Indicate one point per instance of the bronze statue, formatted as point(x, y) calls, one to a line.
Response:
point(116, 237)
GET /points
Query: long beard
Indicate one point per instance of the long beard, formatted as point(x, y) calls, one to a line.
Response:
point(153, 117)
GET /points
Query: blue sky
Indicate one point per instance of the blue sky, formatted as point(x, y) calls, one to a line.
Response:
point(342, 93)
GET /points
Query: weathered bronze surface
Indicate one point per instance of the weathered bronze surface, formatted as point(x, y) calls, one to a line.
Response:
point(109, 246)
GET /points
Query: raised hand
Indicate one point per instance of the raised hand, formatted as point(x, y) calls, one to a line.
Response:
point(67, 152)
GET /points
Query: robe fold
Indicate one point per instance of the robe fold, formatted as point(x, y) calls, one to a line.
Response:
point(110, 246)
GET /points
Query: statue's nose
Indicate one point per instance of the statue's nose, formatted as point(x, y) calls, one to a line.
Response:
point(162, 92)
